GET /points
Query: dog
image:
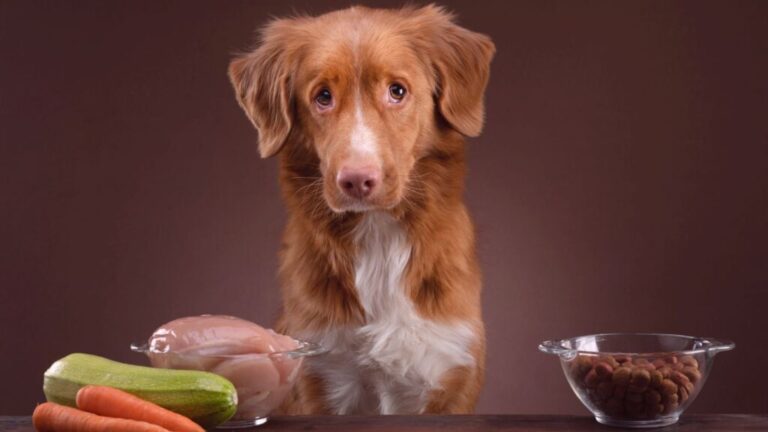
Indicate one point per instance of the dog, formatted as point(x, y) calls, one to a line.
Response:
point(368, 110)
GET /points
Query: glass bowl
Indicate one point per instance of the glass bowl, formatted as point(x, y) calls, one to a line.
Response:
point(636, 379)
point(262, 380)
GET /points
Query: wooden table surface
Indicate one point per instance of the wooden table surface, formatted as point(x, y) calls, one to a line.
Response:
point(529, 423)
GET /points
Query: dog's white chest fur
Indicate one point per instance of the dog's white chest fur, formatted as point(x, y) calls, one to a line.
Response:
point(389, 365)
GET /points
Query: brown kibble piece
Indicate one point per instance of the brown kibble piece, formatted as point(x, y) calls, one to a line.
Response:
point(692, 373)
point(689, 361)
point(683, 394)
point(658, 363)
point(581, 365)
point(652, 397)
point(610, 360)
point(666, 371)
point(603, 370)
point(591, 379)
point(621, 376)
point(621, 358)
point(613, 362)
point(656, 379)
point(668, 399)
point(671, 360)
point(647, 366)
point(679, 378)
point(640, 378)
point(668, 387)
point(641, 361)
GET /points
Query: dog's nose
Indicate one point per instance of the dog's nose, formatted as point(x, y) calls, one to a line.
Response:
point(358, 182)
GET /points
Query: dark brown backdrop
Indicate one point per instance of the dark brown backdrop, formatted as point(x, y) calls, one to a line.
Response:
point(620, 184)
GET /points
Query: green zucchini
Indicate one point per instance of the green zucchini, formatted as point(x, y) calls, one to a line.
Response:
point(206, 398)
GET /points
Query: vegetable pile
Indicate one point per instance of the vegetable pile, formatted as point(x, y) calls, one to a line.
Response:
point(202, 367)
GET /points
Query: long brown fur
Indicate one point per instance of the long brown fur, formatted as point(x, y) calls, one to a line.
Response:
point(317, 258)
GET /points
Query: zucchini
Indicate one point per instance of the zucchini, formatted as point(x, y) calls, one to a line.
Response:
point(206, 398)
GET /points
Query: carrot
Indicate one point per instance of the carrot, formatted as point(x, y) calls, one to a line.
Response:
point(51, 417)
point(111, 402)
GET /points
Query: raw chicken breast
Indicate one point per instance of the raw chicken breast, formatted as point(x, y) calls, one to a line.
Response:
point(232, 348)
point(212, 335)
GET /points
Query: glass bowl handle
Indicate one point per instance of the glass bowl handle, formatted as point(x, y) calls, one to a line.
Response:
point(718, 345)
point(556, 347)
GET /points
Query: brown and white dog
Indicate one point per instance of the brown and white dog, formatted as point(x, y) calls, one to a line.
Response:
point(367, 109)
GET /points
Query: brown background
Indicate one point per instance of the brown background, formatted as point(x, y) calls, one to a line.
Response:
point(620, 184)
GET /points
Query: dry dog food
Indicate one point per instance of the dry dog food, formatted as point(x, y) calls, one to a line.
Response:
point(637, 388)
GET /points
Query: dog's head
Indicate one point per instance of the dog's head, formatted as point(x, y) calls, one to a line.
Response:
point(369, 91)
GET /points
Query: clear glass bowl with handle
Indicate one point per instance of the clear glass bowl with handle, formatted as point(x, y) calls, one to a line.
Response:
point(636, 379)
point(262, 380)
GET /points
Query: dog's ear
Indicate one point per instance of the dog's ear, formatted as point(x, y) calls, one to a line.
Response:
point(262, 82)
point(461, 61)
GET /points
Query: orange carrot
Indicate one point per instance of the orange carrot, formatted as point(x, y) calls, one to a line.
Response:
point(111, 402)
point(51, 417)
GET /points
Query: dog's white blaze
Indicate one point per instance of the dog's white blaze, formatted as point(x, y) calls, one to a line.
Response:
point(389, 365)
point(362, 139)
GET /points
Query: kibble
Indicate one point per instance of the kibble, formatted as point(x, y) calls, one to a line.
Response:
point(621, 376)
point(610, 360)
point(670, 399)
point(581, 365)
point(666, 371)
point(679, 378)
point(692, 373)
point(638, 388)
point(640, 378)
point(603, 370)
point(656, 379)
point(689, 361)
point(668, 387)
point(652, 397)
point(591, 380)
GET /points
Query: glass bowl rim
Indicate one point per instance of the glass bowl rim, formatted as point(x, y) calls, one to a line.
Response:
point(711, 345)
point(304, 349)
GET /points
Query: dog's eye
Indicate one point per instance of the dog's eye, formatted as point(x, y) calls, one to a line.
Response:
point(323, 98)
point(397, 92)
